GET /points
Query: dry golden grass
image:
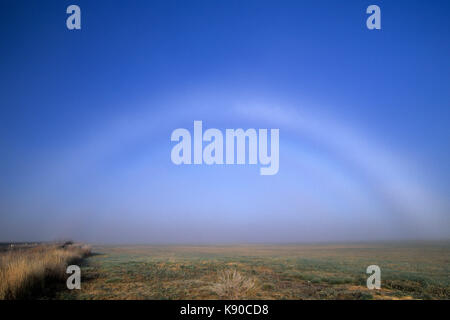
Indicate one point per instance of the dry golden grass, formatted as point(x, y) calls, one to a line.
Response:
point(23, 271)
point(231, 284)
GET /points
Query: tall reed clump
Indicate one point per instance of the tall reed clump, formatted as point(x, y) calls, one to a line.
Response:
point(26, 272)
point(232, 284)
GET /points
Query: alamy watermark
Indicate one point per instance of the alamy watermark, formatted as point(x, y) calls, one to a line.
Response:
point(374, 20)
point(218, 152)
point(74, 280)
point(374, 280)
point(73, 22)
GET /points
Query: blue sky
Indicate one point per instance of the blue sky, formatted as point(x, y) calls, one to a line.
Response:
point(86, 118)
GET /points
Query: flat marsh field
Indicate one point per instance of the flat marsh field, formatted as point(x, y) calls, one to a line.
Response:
point(408, 271)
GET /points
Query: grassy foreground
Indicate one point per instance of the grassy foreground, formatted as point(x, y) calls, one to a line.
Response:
point(408, 271)
point(33, 271)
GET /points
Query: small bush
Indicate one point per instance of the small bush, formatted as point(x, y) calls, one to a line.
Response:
point(233, 285)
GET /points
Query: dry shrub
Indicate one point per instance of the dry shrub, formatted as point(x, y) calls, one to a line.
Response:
point(25, 271)
point(231, 284)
